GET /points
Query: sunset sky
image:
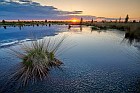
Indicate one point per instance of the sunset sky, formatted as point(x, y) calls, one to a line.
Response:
point(64, 9)
point(102, 8)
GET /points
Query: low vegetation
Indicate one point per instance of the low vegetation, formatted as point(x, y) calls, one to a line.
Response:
point(37, 59)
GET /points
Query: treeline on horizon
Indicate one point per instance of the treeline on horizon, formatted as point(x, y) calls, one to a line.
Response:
point(119, 20)
point(120, 24)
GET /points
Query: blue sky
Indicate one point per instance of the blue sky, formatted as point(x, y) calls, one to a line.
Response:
point(26, 9)
point(52, 9)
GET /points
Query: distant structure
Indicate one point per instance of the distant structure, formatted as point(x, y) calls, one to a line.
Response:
point(126, 19)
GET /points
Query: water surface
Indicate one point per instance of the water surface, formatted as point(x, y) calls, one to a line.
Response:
point(100, 62)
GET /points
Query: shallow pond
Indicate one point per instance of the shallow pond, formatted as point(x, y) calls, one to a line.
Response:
point(100, 61)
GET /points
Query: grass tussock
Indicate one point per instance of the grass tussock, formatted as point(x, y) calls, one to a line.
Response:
point(37, 59)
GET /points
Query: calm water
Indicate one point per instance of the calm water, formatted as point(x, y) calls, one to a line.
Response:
point(100, 61)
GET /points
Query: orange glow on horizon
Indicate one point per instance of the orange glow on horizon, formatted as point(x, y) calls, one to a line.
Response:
point(74, 20)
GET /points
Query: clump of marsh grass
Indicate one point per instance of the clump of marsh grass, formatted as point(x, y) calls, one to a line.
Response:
point(37, 59)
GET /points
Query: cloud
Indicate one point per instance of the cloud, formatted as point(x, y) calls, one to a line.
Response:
point(26, 9)
point(25, 0)
point(78, 12)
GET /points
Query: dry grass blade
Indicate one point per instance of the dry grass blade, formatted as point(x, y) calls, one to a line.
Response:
point(37, 59)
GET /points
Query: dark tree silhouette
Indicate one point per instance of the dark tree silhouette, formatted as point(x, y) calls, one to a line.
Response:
point(120, 19)
point(46, 21)
point(3, 21)
point(81, 21)
point(126, 19)
point(103, 21)
point(134, 21)
point(92, 20)
point(116, 21)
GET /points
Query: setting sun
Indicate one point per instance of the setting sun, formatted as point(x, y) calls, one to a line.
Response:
point(74, 20)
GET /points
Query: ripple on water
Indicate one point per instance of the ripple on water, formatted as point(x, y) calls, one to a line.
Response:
point(99, 63)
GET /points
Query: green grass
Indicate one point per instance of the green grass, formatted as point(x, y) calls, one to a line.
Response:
point(37, 59)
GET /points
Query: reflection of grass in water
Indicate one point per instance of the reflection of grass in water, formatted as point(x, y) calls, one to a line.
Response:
point(132, 37)
point(37, 59)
